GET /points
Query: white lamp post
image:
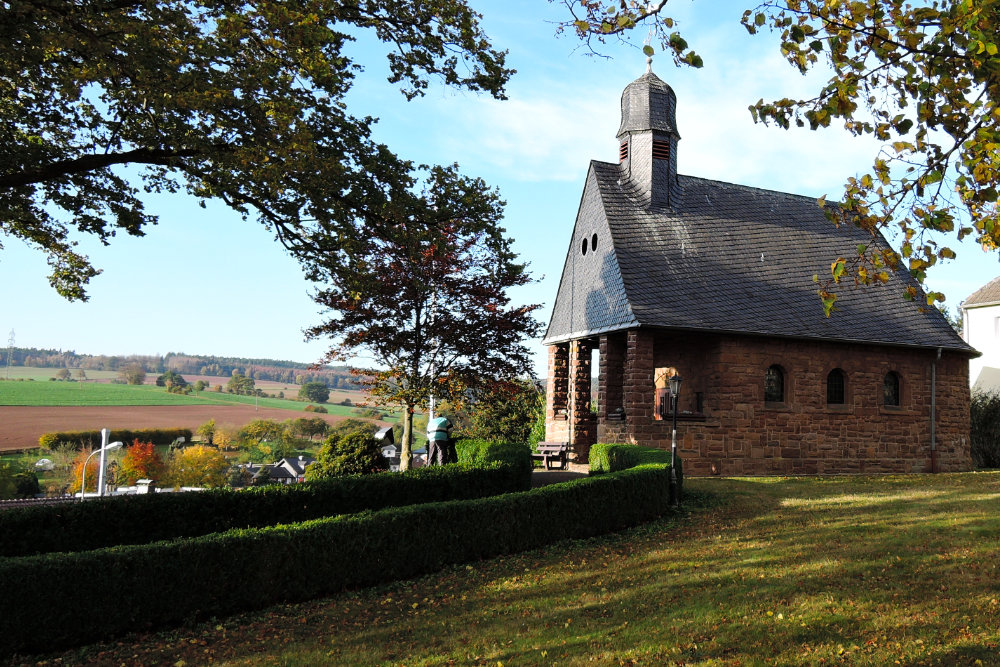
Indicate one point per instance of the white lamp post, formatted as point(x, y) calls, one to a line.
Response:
point(105, 448)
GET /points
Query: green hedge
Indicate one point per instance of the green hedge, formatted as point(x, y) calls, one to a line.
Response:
point(82, 439)
point(103, 522)
point(63, 599)
point(612, 457)
point(478, 452)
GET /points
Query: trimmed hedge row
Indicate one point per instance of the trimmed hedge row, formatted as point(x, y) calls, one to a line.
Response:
point(173, 582)
point(104, 522)
point(478, 452)
point(79, 439)
point(612, 457)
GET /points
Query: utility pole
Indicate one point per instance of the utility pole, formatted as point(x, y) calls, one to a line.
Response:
point(10, 351)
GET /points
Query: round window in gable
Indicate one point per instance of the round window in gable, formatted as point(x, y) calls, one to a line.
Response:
point(584, 248)
point(593, 243)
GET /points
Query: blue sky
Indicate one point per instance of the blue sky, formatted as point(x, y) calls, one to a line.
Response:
point(205, 282)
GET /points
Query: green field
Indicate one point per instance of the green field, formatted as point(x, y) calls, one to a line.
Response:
point(43, 392)
point(875, 570)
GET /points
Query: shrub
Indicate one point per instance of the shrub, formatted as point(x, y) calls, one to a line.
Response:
point(612, 457)
point(315, 408)
point(356, 453)
point(91, 439)
point(985, 429)
point(249, 569)
point(26, 484)
point(479, 452)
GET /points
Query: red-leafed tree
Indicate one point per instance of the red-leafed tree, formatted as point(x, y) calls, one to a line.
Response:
point(426, 295)
point(141, 461)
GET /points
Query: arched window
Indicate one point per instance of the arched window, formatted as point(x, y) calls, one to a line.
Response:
point(890, 390)
point(836, 383)
point(774, 385)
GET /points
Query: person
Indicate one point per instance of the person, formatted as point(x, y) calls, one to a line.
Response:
point(439, 443)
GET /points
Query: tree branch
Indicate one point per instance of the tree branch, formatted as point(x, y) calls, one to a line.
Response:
point(94, 162)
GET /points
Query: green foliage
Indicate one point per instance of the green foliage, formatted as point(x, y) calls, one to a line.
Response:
point(506, 411)
point(517, 455)
point(171, 379)
point(241, 385)
point(421, 286)
point(612, 457)
point(310, 427)
point(316, 392)
point(105, 522)
point(8, 486)
point(356, 453)
point(351, 425)
point(209, 575)
point(92, 439)
point(221, 101)
point(315, 408)
point(985, 429)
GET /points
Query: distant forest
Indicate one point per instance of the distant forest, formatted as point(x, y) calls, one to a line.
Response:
point(291, 372)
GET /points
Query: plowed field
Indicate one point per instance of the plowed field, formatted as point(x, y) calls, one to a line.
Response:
point(20, 427)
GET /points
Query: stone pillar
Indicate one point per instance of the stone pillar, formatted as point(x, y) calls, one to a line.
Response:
point(639, 394)
point(557, 394)
point(610, 389)
point(583, 423)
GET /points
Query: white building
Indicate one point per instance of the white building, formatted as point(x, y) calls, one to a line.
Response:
point(981, 330)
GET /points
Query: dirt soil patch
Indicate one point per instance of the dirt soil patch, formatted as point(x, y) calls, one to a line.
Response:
point(20, 427)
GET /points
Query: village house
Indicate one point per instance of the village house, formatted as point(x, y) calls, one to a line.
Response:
point(981, 329)
point(669, 274)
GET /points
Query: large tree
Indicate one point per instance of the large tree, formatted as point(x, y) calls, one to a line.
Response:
point(921, 77)
point(238, 101)
point(426, 295)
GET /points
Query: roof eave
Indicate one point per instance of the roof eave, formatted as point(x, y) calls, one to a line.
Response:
point(966, 349)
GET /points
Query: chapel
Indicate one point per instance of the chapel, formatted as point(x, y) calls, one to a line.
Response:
point(673, 275)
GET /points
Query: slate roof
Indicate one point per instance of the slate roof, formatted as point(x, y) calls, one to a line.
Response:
point(987, 295)
point(724, 258)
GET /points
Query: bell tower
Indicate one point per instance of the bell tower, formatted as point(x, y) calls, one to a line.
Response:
point(647, 137)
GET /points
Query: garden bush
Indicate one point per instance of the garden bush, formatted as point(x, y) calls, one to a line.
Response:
point(183, 580)
point(985, 429)
point(84, 439)
point(612, 457)
point(141, 519)
point(357, 453)
point(478, 452)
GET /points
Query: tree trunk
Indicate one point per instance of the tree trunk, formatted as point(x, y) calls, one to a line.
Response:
point(404, 452)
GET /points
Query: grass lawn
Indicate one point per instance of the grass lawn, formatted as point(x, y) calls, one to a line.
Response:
point(854, 570)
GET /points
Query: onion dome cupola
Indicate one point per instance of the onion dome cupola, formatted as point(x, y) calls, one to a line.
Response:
point(648, 137)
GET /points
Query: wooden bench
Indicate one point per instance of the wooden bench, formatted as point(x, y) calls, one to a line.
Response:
point(549, 452)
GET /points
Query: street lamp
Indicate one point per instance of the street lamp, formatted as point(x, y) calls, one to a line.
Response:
point(675, 390)
point(100, 476)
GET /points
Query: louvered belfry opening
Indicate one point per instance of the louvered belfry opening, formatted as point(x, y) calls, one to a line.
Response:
point(623, 152)
point(661, 150)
